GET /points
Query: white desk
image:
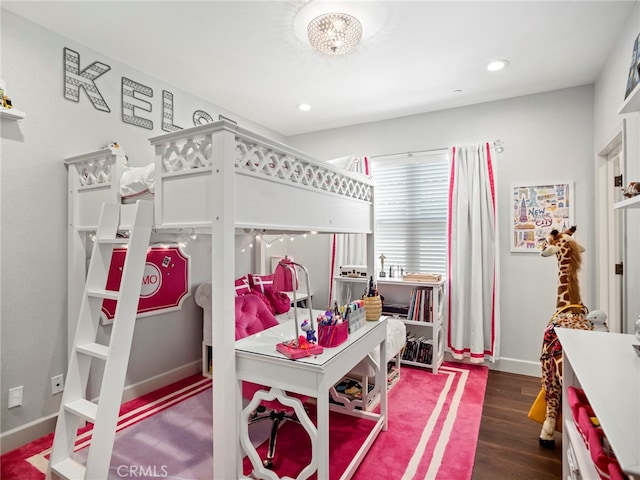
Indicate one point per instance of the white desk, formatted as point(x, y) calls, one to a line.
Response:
point(257, 360)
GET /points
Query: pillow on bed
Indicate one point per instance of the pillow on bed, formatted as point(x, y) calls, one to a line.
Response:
point(261, 283)
point(242, 286)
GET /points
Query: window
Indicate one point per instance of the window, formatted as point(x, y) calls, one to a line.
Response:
point(411, 203)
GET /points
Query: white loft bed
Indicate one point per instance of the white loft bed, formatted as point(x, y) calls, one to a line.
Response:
point(216, 178)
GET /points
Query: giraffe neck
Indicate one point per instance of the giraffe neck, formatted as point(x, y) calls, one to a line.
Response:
point(568, 286)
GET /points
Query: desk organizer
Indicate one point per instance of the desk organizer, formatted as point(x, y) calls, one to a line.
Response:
point(333, 335)
point(356, 318)
point(373, 307)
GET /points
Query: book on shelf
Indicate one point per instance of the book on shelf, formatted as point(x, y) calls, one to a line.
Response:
point(421, 305)
point(418, 349)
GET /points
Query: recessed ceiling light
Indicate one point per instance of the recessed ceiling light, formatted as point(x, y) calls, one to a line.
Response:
point(496, 65)
point(304, 107)
point(457, 90)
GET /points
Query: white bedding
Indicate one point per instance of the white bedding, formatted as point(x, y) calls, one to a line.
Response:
point(137, 182)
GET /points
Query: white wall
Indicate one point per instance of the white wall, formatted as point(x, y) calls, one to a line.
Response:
point(548, 138)
point(608, 98)
point(34, 214)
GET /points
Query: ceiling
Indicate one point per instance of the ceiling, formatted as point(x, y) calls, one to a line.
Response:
point(248, 57)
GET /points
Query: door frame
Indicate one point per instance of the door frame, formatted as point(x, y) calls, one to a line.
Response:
point(610, 229)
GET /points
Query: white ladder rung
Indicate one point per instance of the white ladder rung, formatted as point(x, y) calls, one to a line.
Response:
point(83, 408)
point(108, 294)
point(69, 469)
point(94, 350)
point(113, 241)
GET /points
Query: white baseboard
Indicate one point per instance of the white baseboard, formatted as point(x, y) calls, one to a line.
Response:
point(514, 365)
point(31, 431)
point(509, 365)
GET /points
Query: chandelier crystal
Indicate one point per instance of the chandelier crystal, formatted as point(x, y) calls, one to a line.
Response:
point(334, 33)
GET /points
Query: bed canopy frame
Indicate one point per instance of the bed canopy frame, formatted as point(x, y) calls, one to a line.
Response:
point(214, 179)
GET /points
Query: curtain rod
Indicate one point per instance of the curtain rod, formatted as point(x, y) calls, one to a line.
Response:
point(498, 144)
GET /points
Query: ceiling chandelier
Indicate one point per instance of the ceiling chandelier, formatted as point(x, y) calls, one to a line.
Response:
point(334, 33)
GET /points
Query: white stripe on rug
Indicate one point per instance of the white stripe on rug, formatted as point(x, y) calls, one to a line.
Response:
point(40, 460)
point(418, 453)
point(445, 434)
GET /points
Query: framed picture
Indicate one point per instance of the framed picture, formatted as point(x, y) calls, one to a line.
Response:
point(634, 70)
point(538, 209)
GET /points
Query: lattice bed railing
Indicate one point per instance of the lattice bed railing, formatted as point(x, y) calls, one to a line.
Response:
point(276, 187)
point(191, 149)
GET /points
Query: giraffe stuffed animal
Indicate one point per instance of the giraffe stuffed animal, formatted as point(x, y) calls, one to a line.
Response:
point(570, 313)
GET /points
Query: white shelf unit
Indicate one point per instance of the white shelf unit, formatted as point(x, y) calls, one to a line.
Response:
point(632, 102)
point(398, 291)
point(606, 367)
point(11, 114)
point(633, 202)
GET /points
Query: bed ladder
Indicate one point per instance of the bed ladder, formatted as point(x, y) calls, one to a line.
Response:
point(75, 408)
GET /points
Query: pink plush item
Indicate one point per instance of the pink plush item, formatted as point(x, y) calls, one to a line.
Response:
point(263, 283)
point(265, 298)
point(280, 302)
point(252, 316)
point(242, 286)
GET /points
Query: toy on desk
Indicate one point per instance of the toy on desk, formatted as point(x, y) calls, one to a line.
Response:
point(311, 333)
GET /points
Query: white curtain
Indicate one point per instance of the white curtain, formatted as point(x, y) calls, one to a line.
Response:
point(347, 248)
point(473, 255)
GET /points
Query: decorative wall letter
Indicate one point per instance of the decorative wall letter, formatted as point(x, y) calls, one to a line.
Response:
point(167, 113)
point(200, 117)
point(130, 102)
point(74, 79)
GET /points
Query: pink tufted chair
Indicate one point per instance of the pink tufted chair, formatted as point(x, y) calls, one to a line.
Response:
point(253, 316)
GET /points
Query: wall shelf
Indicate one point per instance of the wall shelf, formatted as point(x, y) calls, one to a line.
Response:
point(632, 102)
point(633, 202)
point(11, 114)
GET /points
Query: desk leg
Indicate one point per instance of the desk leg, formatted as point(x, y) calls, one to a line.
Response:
point(323, 430)
point(239, 449)
point(382, 381)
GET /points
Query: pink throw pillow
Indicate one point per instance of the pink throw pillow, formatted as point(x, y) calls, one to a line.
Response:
point(262, 283)
point(242, 286)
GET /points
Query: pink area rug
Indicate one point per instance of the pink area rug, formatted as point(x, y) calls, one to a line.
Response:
point(433, 430)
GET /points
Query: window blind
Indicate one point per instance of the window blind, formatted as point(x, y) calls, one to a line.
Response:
point(411, 200)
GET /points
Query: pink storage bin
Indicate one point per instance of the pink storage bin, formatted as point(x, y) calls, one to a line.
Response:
point(333, 335)
point(576, 398)
point(600, 453)
point(584, 423)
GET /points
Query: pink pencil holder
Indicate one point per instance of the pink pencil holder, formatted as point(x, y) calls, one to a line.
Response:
point(333, 335)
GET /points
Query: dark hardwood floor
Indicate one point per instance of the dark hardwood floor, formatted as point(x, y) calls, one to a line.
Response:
point(508, 442)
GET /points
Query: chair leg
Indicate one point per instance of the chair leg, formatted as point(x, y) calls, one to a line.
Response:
point(276, 418)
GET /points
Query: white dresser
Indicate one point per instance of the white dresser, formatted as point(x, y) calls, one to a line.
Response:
point(607, 368)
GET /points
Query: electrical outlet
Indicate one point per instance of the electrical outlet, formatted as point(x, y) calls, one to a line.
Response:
point(15, 397)
point(57, 384)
